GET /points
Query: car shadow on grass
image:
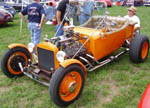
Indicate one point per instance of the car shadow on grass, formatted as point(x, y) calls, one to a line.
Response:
point(6, 25)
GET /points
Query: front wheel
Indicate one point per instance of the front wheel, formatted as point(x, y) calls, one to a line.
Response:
point(139, 48)
point(10, 60)
point(66, 85)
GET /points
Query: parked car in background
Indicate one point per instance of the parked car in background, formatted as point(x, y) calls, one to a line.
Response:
point(134, 2)
point(5, 16)
point(8, 8)
point(147, 3)
point(108, 2)
point(123, 3)
point(54, 2)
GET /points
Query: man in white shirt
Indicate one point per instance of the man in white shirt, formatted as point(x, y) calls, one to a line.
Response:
point(132, 16)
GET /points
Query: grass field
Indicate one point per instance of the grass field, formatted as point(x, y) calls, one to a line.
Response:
point(119, 84)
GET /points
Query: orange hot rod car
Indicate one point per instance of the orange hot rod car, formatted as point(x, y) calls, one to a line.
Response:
point(63, 61)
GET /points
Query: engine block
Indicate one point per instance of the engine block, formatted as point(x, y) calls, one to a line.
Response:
point(71, 48)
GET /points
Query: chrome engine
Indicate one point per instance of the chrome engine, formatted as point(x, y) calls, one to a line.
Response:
point(69, 43)
point(71, 48)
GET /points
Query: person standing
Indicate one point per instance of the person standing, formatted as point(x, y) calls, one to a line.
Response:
point(132, 16)
point(36, 15)
point(49, 11)
point(74, 12)
point(86, 11)
point(60, 14)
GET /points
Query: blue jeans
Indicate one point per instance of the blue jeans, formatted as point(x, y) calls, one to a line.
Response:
point(50, 12)
point(83, 18)
point(35, 32)
point(59, 30)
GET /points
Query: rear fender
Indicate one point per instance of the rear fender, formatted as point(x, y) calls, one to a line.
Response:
point(68, 62)
point(14, 45)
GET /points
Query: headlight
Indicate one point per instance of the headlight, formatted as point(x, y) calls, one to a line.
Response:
point(60, 56)
point(31, 47)
point(101, 34)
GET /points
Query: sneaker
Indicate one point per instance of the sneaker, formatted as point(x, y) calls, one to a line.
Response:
point(48, 22)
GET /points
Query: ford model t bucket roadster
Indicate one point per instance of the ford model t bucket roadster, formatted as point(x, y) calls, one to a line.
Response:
point(63, 61)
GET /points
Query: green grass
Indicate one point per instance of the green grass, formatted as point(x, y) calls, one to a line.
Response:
point(119, 84)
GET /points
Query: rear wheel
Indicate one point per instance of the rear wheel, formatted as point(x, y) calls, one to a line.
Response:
point(66, 85)
point(139, 48)
point(10, 60)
